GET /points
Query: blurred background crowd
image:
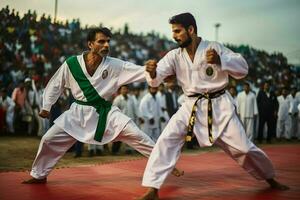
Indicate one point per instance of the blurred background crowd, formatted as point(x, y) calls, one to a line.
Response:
point(33, 47)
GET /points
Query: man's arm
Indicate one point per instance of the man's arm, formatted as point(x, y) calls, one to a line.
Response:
point(157, 72)
point(130, 73)
point(233, 63)
point(53, 90)
point(151, 66)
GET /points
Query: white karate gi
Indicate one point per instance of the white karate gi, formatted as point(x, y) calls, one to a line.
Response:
point(150, 109)
point(227, 130)
point(247, 110)
point(80, 121)
point(284, 119)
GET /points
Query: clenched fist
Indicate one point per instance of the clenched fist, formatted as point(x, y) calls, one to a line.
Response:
point(151, 67)
point(44, 114)
point(212, 57)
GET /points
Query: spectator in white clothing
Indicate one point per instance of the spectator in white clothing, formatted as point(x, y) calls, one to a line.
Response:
point(293, 112)
point(161, 96)
point(284, 119)
point(126, 104)
point(152, 114)
point(8, 106)
point(247, 109)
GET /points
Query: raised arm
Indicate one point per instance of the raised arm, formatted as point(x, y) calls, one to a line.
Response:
point(157, 72)
point(233, 63)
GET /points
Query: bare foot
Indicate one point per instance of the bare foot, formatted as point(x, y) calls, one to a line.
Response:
point(35, 181)
point(276, 185)
point(151, 194)
point(176, 172)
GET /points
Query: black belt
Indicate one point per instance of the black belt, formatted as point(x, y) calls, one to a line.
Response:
point(192, 119)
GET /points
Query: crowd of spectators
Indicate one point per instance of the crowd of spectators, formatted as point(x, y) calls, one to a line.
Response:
point(33, 47)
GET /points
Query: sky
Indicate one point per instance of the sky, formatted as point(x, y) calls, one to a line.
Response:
point(270, 25)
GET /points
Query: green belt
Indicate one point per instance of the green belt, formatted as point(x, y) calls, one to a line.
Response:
point(192, 119)
point(102, 109)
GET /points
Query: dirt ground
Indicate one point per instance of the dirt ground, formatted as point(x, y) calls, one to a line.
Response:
point(18, 152)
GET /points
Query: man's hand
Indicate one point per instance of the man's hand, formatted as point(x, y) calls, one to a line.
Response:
point(212, 57)
point(44, 114)
point(151, 68)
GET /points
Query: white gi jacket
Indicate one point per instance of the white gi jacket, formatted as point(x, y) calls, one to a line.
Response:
point(80, 121)
point(194, 79)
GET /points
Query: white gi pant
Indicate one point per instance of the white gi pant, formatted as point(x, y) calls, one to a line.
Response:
point(168, 148)
point(56, 142)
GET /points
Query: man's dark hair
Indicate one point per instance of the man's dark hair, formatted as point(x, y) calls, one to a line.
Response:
point(93, 31)
point(185, 19)
point(247, 83)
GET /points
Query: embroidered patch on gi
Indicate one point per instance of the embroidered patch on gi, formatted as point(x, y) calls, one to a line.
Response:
point(209, 71)
point(104, 74)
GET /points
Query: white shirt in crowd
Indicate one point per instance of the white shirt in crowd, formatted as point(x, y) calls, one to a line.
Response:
point(150, 108)
point(246, 105)
point(127, 106)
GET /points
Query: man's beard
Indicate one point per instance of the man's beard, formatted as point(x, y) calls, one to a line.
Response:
point(186, 43)
point(104, 53)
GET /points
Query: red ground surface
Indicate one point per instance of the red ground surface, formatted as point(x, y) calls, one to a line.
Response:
point(208, 176)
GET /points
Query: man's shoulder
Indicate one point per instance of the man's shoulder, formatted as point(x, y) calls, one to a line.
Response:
point(146, 96)
point(241, 94)
point(114, 60)
point(174, 52)
point(119, 97)
point(73, 56)
point(116, 63)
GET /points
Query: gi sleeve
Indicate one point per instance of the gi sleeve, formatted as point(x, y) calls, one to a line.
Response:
point(55, 87)
point(130, 73)
point(233, 63)
point(165, 68)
